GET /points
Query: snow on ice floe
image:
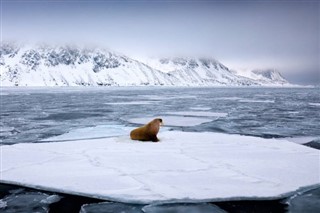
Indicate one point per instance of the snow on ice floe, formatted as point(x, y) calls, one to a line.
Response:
point(162, 97)
point(200, 108)
point(101, 131)
point(199, 113)
point(255, 101)
point(173, 120)
point(133, 103)
point(183, 166)
point(314, 104)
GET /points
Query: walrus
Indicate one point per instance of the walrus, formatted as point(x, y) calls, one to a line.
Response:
point(147, 132)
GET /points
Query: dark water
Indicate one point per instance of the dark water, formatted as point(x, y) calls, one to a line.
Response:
point(30, 115)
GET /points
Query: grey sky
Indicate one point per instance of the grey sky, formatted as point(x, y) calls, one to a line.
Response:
point(241, 34)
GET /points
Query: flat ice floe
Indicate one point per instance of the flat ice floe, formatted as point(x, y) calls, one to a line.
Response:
point(314, 104)
point(199, 113)
point(200, 108)
point(183, 166)
point(255, 101)
point(173, 120)
point(101, 131)
point(133, 103)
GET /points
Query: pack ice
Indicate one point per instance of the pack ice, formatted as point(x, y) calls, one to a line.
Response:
point(182, 167)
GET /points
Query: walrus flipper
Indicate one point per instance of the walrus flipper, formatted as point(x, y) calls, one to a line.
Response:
point(154, 139)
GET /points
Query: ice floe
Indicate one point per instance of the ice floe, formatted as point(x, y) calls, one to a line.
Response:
point(111, 207)
point(182, 167)
point(255, 101)
point(162, 97)
point(200, 108)
point(133, 103)
point(173, 120)
point(101, 131)
point(27, 202)
point(199, 113)
point(314, 104)
point(182, 208)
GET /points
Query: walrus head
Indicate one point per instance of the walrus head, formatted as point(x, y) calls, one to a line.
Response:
point(160, 121)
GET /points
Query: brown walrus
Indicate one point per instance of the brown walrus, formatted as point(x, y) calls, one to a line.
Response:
point(147, 132)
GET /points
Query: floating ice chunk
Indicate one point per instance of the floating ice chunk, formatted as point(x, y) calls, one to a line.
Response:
point(25, 202)
point(314, 104)
point(182, 167)
point(299, 140)
point(101, 131)
point(158, 97)
point(255, 101)
point(182, 208)
point(51, 199)
point(200, 108)
point(306, 202)
point(173, 120)
point(110, 207)
point(228, 98)
point(200, 114)
point(133, 103)
point(3, 204)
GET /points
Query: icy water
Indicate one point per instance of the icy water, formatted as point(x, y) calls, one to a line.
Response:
point(30, 115)
point(37, 114)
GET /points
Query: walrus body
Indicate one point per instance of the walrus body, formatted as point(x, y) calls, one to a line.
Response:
point(147, 132)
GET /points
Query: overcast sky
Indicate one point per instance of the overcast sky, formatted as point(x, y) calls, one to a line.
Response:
point(283, 35)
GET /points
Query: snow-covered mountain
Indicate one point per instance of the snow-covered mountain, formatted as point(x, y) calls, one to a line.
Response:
point(71, 66)
point(264, 76)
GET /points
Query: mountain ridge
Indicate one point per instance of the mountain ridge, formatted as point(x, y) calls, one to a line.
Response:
point(73, 66)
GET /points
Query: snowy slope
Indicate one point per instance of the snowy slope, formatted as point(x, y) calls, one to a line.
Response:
point(200, 71)
point(66, 66)
point(264, 76)
point(71, 66)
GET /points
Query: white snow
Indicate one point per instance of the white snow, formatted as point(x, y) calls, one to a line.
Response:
point(200, 114)
point(34, 65)
point(183, 166)
point(173, 120)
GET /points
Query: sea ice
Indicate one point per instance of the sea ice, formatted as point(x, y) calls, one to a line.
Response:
point(110, 207)
point(101, 131)
point(133, 103)
point(255, 101)
point(314, 104)
point(182, 208)
point(200, 108)
point(27, 202)
point(173, 120)
point(182, 167)
point(200, 114)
